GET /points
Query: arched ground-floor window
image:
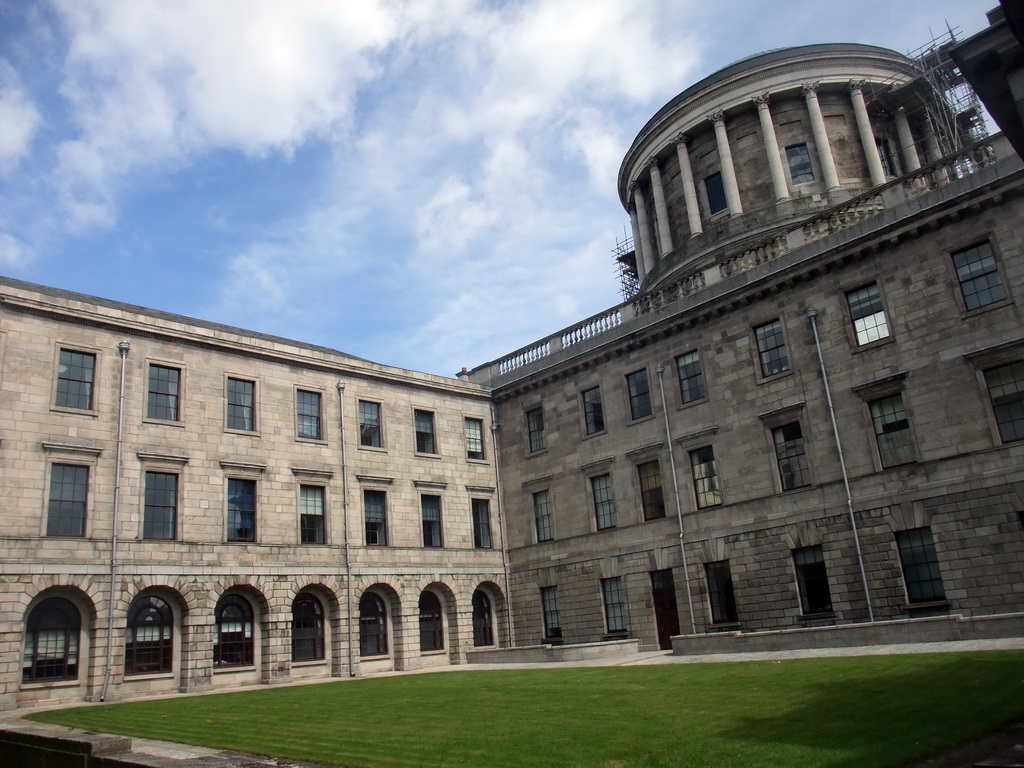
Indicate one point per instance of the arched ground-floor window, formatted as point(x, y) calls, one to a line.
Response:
point(51, 641)
point(431, 622)
point(483, 621)
point(373, 626)
point(149, 640)
point(233, 641)
point(307, 628)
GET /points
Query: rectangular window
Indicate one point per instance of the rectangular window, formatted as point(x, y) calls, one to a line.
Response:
point(424, 431)
point(1006, 391)
point(651, 497)
point(799, 160)
point(535, 429)
point(307, 410)
point(69, 487)
point(542, 516)
point(720, 592)
point(160, 512)
point(242, 405)
point(604, 504)
point(614, 604)
point(375, 518)
point(639, 394)
point(885, 155)
point(164, 391)
point(481, 523)
point(920, 565)
point(474, 430)
point(311, 514)
point(705, 477)
point(715, 188)
point(771, 348)
point(978, 275)
point(430, 507)
point(892, 431)
point(867, 313)
point(549, 604)
point(241, 510)
point(812, 580)
point(76, 373)
point(593, 410)
point(791, 456)
point(691, 376)
point(369, 424)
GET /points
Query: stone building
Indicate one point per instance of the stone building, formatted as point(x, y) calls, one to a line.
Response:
point(824, 256)
point(189, 506)
point(808, 414)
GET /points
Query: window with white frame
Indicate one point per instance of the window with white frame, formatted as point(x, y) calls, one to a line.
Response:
point(791, 456)
point(66, 508)
point(311, 514)
point(892, 430)
point(867, 314)
point(542, 516)
point(474, 432)
point(652, 499)
point(535, 429)
point(76, 373)
point(424, 422)
point(639, 394)
point(614, 605)
point(369, 424)
point(771, 348)
point(691, 376)
point(481, 509)
point(705, 477)
point(1006, 393)
point(593, 410)
point(978, 273)
point(375, 518)
point(920, 565)
point(430, 509)
point(604, 503)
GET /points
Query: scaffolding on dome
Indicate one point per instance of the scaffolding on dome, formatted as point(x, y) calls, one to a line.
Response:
point(625, 263)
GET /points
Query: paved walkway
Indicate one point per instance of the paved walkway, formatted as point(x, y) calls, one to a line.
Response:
point(1002, 751)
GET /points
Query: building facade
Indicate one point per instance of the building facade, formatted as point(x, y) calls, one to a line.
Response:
point(809, 412)
point(190, 506)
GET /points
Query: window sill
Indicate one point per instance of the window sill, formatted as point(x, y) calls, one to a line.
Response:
point(553, 641)
point(641, 419)
point(774, 376)
point(927, 607)
point(822, 616)
point(691, 403)
point(538, 452)
point(857, 348)
point(226, 669)
point(310, 440)
point(965, 312)
point(377, 657)
point(480, 462)
point(242, 432)
point(38, 685)
point(143, 676)
point(164, 422)
point(309, 663)
point(725, 626)
point(589, 435)
point(435, 456)
point(612, 636)
point(435, 652)
point(91, 412)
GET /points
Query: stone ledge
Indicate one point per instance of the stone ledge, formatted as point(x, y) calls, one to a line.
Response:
point(554, 653)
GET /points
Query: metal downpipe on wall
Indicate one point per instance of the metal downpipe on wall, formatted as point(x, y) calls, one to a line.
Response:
point(812, 315)
point(660, 370)
point(510, 625)
point(344, 515)
point(122, 348)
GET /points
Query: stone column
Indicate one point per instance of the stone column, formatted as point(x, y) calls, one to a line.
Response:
point(276, 649)
point(197, 633)
point(828, 164)
point(867, 135)
point(641, 268)
point(689, 189)
point(732, 190)
point(771, 148)
point(660, 209)
point(910, 158)
point(931, 142)
point(645, 231)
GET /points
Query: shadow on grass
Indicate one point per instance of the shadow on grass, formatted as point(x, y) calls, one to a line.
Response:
point(877, 717)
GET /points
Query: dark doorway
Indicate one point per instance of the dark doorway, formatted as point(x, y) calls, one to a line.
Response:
point(666, 613)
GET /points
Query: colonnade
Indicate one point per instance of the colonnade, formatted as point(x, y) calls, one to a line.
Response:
point(648, 252)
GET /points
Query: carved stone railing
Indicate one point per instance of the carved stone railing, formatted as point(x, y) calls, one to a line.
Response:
point(524, 356)
point(752, 257)
point(592, 327)
point(678, 289)
point(843, 216)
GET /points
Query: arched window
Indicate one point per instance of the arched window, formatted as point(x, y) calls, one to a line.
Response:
point(233, 643)
point(51, 642)
point(431, 624)
point(483, 627)
point(373, 626)
point(149, 642)
point(307, 629)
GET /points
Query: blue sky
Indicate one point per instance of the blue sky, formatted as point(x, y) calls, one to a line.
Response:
point(428, 184)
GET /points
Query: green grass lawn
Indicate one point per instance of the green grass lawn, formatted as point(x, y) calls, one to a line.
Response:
point(849, 712)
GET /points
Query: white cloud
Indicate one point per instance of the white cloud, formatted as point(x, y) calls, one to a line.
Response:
point(19, 119)
point(12, 253)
